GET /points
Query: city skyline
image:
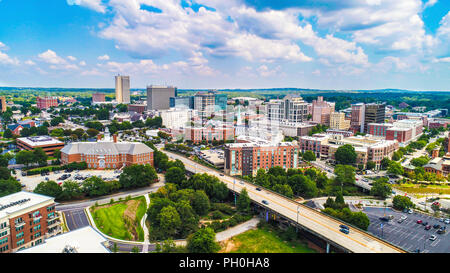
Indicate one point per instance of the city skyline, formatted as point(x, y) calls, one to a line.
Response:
point(233, 44)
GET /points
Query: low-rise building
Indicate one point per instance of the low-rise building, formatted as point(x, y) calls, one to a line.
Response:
point(209, 133)
point(26, 219)
point(47, 143)
point(46, 102)
point(175, 118)
point(338, 121)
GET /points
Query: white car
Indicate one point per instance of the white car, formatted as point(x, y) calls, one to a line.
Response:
point(447, 221)
point(433, 237)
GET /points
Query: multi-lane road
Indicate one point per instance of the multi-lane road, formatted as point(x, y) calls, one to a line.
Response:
point(356, 241)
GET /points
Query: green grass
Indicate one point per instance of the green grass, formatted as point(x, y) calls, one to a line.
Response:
point(266, 240)
point(111, 222)
point(418, 189)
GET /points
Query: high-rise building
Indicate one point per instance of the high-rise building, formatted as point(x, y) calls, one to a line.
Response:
point(291, 108)
point(374, 113)
point(182, 102)
point(357, 120)
point(221, 101)
point(123, 89)
point(46, 102)
point(158, 97)
point(321, 111)
point(3, 104)
point(204, 103)
point(338, 121)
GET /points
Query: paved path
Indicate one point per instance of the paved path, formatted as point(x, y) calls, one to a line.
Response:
point(144, 227)
point(227, 234)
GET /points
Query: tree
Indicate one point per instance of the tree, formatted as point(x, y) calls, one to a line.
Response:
point(395, 168)
point(135, 249)
point(243, 201)
point(92, 132)
point(402, 202)
point(200, 202)
point(345, 154)
point(169, 221)
point(370, 165)
point(203, 241)
point(420, 161)
point(175, 175)
point(135, 176)
point(56, 121)
point(9, 186)
point(5, 173)
point(8, 133)
point(384, 164)
point(57, 154)
point(95, 186)
point(309, 156)
point(42, 131)
point(189, 220)
point(70, 190)
point(24, 157)
point(284, 189)
point(39, 156)
point(49, 188)
point(345, 175)
point(381, 188)
point(4, 161)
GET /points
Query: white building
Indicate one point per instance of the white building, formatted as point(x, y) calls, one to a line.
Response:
point(175, 118)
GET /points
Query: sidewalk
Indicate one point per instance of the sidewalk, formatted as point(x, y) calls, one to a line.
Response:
point(236, 230)
point(144, 227)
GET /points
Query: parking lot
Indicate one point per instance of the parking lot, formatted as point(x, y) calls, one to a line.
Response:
point(409, 235)
point(31, 182)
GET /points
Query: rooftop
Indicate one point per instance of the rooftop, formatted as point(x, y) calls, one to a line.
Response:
point(40, 140)
point(19, 201)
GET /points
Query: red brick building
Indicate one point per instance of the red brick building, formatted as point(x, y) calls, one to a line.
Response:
point(399, 134)
point(138, 108)
point(107, 153)
point(98, 97)
point(48, 144)
point(27, 219)
point(46, 102)
point(209, 134)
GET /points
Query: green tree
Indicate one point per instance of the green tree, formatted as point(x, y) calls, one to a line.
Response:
point(175, 175)
point(24, 157)
point(39, 156)
point(95, 186)
point(309, 156)
point(92, 132)
point(49, 188)
point(346, 155)
point(370, 165)
point(203, 241)
point(345, 175)
point(70, 190)
point(395, 168)
point(169, 221)
point(8, 133)
point(135, 176)
point(9, 186)
point(384, 164)
point(402, 202)
point(381, 188)
point(243, 201)
point(200, 202)
point(5, 173)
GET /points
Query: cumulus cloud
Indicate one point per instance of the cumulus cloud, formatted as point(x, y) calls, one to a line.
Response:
point(91, 4)
point(72, 58)
point(103, 58)
point(5, 58)
point(56, 62)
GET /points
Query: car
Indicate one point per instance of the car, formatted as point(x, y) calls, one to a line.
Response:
point(428, 227)
point(441, 219)
point(447, 221)
point(23, 185)
point(365, 180)
point(343, 230)
point(24, 174)
point(258, 189)
point(410, 211)
point(405, 210)
point(441, 231)
point(240, 182)
point(436, 226)
point(425, 223)
point(393, 192)
point(419, 221)
point(47, 179)
point(404, 217)
point(344, 226)
point(265, 202)
point(221, 174)
point(433, 237)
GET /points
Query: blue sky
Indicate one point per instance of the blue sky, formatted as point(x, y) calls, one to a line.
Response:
point(327, 44)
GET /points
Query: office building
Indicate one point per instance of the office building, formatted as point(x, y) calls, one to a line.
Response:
point(122, 89)
point(221, 102)
point(175, 118)
point(357, 117)
point(338, 121)
point(47, 143)
point(158, 97)
point(321, 111)
point(209, 134)
point(46, 102)
point(182, 102)
point(373, 113)
point(248, 158)
point(138, 108)
point(98, 97)
point(26, 219)
point(204, 103)
point(291, 108)
point(107, 153)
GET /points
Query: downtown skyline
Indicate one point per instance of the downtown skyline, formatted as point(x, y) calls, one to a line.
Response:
point(371, 44)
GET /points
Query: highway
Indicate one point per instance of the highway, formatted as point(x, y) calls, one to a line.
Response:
point(356, 241)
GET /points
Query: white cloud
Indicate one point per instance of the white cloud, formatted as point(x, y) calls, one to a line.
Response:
point(5, 58)
point(91, 4)
point(55, 61)
point(103, 58)
point(430, 3)
point(72, 58)
point(316, 72)
point(82, 63)
point(442, 60)
point(29, 62)
point(264, 71)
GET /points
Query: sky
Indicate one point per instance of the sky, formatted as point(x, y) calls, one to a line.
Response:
point(212, 44)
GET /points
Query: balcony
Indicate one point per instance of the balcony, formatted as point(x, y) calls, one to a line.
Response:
point(52, 216)
point(19, 224)
point(37, 217)
point(56, 223)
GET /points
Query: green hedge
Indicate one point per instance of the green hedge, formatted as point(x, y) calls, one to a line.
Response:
point(70, 166)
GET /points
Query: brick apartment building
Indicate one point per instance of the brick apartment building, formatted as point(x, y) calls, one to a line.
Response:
point(247, 158)
point(48, 144)
point(209, 134)
point(27, 219)
point(107, 153)
point(46, 102)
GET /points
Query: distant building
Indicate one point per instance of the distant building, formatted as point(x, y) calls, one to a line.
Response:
point(158, 97)
point(138, 108)
point(221, 101)
point(204, 103)
point(209, 134)
point(26, 219)
point(3, 104)
point(98, 97)
point(107, 153)
point(122, 89)
point(357, 117)
point(373, 113)
point(338, 121)
point(291, 108)
point(47, 143)
point(321, 111)
point(182, 102)
point(175, 118)
point(248, 158)
point(378, 129)
point(46, 102)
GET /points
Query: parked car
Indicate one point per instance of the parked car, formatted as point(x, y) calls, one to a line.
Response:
point(441, 231)
point(221, 174)
point(23, 185)
point(424, 223)
point(433, 237)
point(410, 211)
point(436, 226)
point(441, 219)
point(265, 202)
point(343, 230)
point(447, 221)
point(428, 227)
point(240, 182)
point(419, 221)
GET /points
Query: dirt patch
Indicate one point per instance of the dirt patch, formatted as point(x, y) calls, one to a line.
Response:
point(229, 245)
point(94, 209)
point(130, 211)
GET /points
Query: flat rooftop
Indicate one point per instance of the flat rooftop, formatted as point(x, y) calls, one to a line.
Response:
point(19, 201)
point(40, 140)
point(83, 240)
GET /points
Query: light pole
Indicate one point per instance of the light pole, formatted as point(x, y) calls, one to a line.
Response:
point(234, 183)
point(298, 208)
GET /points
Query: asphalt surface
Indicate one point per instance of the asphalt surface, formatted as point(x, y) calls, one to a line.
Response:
point(409, 235)
point(76, 219)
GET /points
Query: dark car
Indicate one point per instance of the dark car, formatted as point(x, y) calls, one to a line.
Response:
point(428, 227)
point(221, 174)
point(424, 223)
point(436, 226)
point(343, 230)
point(265, 202)
point(258, 189)
point(344, 226)
point(441, 231)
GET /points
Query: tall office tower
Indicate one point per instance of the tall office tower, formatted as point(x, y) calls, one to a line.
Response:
point(182, 102)
point(374, 113)
point(204, 103)
point(321, 111)
point(221, 101)
point(3, 104)
point(158, 97)
point(291, 108)
point(123, 89)
point(357, 120)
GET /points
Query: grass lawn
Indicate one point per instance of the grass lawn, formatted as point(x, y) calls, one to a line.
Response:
point(418, 189)
point(110, 219)
point(264, 240)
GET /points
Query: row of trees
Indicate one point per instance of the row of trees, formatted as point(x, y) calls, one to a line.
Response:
point(36, 156)
point(339, 209)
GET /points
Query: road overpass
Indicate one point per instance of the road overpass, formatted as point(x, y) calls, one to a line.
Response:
point(317, 223)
